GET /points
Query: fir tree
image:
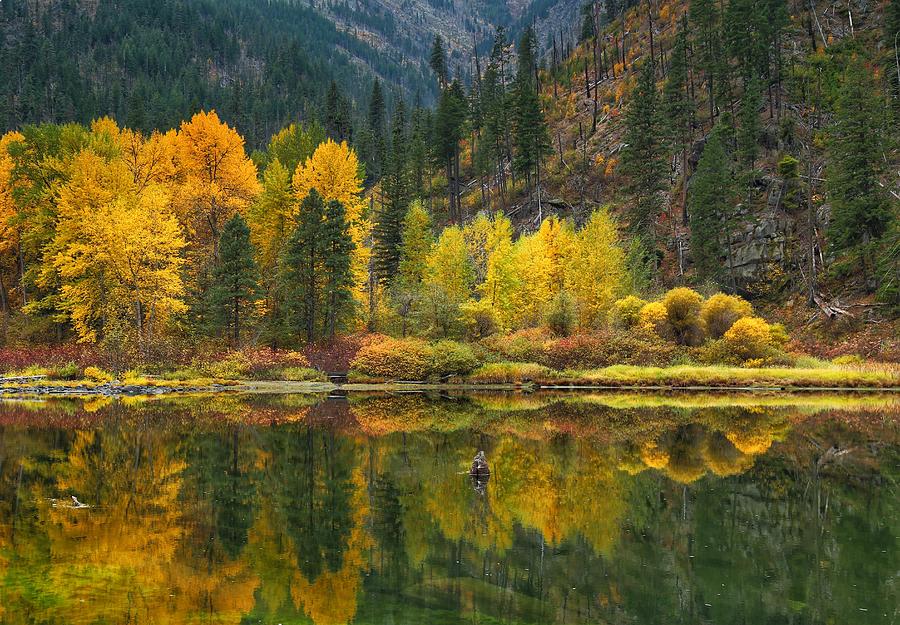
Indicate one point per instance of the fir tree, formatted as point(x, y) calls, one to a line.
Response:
point(643, 159)
point(376, 128)
point(709, 203)
point(704, 15)
point(438, 61)
point(299, 286)
point(749, 129)
point(678, 103)
point(235, 278)
point(860, 209)
point(337, 247)
point(531, 135)
point(396, 189)
point(448, 131)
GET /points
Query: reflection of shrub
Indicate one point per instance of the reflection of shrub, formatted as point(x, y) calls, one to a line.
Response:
point(683, 315)
point(509, 373)
point(562, 315)
point(451, 358)
point(394, 359)
point(720, 312)
point(653, 318)
point(298, 374)
point(749, 338)
point(626, 312)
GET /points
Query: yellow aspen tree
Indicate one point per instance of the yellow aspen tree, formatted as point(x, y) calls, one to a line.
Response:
point(596, 271)
point(333, 170)
point(116, 253)
point(501, 280)
point(216, 177)
point(271, 217)
point(9, 234)
point(449, 280)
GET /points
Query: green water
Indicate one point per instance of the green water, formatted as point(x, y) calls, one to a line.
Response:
point(600, 509)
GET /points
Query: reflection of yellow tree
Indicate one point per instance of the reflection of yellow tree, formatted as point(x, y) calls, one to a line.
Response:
point(123, 546)
point(331, 598)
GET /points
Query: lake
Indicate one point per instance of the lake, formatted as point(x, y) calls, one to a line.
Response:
point(600, 508)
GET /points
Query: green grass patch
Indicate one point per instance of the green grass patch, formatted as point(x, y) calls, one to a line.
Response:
point(872, 376)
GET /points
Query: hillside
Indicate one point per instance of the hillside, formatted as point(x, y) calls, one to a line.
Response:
point(776, 224)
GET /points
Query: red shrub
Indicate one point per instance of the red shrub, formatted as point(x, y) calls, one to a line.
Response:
point(14, 358)
point(335, 355)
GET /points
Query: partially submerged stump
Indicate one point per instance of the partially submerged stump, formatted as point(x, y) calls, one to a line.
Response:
point(479, 466)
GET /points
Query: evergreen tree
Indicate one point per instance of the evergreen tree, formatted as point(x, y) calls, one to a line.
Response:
point(438, 61)
point(860, 209)
point(704, 15)
point(397, 196)
point(375, 152)
point(419, 140)
point(643, 159)
point(678, 103)
point(300, 287)
point(235, 278)
point(531, 135)
point(448, 131)
point(337, 247)
point(587, 22)
point(709, 203)
point(337, 115)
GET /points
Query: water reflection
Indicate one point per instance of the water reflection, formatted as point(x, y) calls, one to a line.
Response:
point(610, 509)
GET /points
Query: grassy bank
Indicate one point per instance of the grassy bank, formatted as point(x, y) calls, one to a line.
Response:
point(728, 377)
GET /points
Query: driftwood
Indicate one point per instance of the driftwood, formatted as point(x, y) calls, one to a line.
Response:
point(832, 310)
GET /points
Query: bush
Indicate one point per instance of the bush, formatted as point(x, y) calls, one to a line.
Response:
point(232, 366)
point(394, 359)
point(449, 358)
point(605, 349)
point(97, 375)
point(749, 338)
point(683, 315)
point(68, 371)
point(848, 360)
point(479, 318)
point(720, 312)
point(626, 312)
point(653, 318)
point(509, 373)
point(521, 346)
point(562, 314)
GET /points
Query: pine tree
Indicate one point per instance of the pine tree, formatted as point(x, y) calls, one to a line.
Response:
point(448, 132)
point(337, 247)
point(397, 196)
point(587, 22)
point(678, 103)
point(704, 15)
point(300, 287)
point(337, 115)
point(438, 61)
point(376, 129)
point(860, 209)
point(749, 129)
point(643, 159)
point(531, 135)
point(235, 278)
point(709, 203)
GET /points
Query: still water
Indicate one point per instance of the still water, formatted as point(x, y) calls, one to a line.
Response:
point(600, 509)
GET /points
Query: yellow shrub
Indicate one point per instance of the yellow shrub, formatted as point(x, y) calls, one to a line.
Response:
point(653, 318)
point(394, 359)
point(97, 374)
point(683, 314)
point(748, 339)
point(720, 312)
point(626, 312)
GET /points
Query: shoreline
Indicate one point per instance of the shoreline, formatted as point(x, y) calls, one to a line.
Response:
point(78, 389)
